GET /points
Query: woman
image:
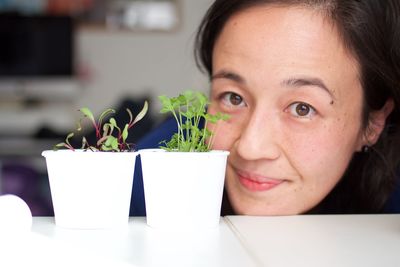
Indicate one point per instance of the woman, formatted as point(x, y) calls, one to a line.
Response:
point(312, 88)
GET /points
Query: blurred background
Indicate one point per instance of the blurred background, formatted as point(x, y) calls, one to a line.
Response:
point(59, 55)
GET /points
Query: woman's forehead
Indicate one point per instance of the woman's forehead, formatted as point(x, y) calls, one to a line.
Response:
point(285, 41)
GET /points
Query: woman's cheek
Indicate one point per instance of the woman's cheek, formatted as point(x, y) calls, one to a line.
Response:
point(225, 134)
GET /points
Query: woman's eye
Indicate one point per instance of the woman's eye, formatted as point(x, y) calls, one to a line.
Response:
point(232, 99)
point(303, 110)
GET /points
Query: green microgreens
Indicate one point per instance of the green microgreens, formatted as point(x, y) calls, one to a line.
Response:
point(188, 109)
point(109, 136)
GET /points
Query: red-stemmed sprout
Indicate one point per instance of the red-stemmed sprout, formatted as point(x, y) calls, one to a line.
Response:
point(109, 136)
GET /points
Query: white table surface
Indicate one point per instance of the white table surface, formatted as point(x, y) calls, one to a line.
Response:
point(305, 240)
point(134, 245)
point(321, 240)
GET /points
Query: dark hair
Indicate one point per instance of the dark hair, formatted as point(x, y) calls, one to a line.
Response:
point(370, 30)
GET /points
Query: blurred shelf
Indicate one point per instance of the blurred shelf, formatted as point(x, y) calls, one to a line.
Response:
point(24, 147)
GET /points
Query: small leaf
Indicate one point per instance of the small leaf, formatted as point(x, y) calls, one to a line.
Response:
point(105, 114)
point(166, 104)
point(114, 144)
point(130, 115)
point(183, 99)
point(85, 143)
point(113, 122)
point(102, 140)
point(60, 145)
point(125, 133)
point(210, 118)
point(106, 128)
point(142, 113)
point(108, 141)
point(69, 136)
point(225, 117)
point(88, 113)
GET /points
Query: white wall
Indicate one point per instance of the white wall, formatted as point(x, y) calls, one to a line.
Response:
point(124, 63)
point(120, 64)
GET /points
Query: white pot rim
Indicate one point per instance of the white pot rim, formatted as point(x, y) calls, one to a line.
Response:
point(51, 151)
point(160, 150)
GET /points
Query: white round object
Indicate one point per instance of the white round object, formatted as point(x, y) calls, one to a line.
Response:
point(15, 215)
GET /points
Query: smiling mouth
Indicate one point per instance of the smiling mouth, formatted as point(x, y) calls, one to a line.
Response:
point(257, 183)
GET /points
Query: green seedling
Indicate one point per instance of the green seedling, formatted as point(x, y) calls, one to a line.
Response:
point(109, 136)
point(189, 109)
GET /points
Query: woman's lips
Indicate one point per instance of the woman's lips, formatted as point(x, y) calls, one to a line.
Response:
point(257, 182)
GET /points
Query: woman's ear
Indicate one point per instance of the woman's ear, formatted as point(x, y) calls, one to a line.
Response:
point(376, 123)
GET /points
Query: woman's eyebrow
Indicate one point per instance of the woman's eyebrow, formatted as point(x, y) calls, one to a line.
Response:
point(224, 74)
point(308, 81)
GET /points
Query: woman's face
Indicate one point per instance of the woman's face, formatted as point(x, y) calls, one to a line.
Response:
point(295, 103)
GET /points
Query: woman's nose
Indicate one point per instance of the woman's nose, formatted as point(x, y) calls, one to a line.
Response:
point(259, 138)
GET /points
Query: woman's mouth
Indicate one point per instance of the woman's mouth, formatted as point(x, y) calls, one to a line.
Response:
point(257, 182)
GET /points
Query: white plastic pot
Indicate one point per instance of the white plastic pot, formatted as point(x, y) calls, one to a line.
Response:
point(90, 190)
point(183, 189)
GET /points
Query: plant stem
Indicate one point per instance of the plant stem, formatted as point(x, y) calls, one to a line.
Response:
point(181, 136)
point(211, 141)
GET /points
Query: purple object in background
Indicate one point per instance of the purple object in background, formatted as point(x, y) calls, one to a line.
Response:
point(24, 181)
